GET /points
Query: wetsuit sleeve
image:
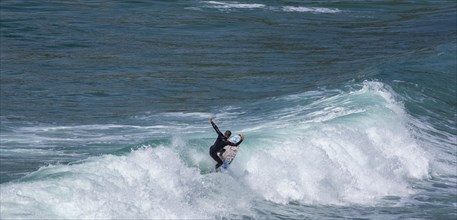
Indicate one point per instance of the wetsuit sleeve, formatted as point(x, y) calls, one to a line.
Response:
point(216, 128)
point(233, 144)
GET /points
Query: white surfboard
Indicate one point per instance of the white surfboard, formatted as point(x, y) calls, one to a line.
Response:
point(230, 152)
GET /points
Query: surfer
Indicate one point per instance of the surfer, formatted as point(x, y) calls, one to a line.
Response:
point(221, 142)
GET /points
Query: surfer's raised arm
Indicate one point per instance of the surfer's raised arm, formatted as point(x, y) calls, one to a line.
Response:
point(215, 126)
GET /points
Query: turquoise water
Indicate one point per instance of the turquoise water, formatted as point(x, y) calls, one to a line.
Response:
point(349, 109)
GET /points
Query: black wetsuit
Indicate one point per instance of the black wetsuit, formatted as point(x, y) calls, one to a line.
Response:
point(219, 145)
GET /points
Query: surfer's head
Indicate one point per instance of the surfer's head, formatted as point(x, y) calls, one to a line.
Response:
point(227, 133)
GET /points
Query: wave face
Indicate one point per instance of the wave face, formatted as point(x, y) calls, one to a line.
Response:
point(330, 148)
point(352, 147)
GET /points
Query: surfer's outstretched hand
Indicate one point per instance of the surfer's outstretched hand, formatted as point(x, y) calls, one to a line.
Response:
point(210, 118)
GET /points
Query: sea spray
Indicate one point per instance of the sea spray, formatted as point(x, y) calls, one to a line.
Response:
point(147, 183)
point(355, 147)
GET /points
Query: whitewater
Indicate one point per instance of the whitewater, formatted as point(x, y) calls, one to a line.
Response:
point(330, 148)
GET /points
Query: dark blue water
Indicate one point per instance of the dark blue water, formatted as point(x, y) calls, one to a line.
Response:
point(349, 109)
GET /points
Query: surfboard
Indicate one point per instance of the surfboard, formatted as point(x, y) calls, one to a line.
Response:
point(230, 152)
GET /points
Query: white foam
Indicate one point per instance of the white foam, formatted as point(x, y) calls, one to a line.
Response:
point(354, 147)
point(310, 9)
point(232, 5)
point(146, 184)
point(46, 136)
point(237, 5)
point(187, 114)
point(344, 148)
point(25, 152)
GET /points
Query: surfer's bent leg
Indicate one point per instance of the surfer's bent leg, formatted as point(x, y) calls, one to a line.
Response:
point(214, 155)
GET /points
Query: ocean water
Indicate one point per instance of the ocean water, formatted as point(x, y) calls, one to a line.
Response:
point(348, 107)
